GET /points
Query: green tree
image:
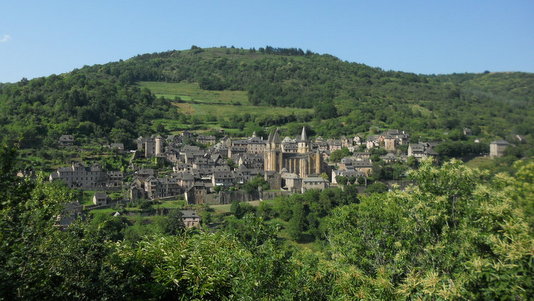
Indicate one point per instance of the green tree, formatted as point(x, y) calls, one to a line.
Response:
point(448, 237)
point(342, 180)
point(297, 223)
point(175, 224)
point(376, 187)
point(339, 154)
point(255, 183)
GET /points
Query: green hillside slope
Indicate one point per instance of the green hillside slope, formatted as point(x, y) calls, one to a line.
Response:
point(341, 98)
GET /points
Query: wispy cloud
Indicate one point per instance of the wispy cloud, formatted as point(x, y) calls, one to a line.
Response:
point(5, 38)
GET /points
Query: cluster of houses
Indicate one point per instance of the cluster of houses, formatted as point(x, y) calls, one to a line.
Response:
point(211, 166)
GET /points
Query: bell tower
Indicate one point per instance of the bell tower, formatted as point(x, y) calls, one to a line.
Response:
point(272, 153)
point(302, 144)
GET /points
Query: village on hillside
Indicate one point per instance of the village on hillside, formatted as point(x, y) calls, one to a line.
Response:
point(201, 169)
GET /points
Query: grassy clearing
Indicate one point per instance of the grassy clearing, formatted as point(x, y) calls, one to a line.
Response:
point(216, 103)
point(106, 211)
point(87, 197)
point(191, 92)
point(178, 204)
point(227, 110)
point(481, 163)
point(424, 111)
point(221, 208)
point(210, 107)
point(225, 208)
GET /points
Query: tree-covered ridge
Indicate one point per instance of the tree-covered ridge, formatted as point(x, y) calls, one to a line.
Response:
point(503, 100)
point(84, 103)
point(103, 100)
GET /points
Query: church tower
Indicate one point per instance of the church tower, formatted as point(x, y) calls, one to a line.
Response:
point(159, 145)
point(302, 144)
point(272, 156)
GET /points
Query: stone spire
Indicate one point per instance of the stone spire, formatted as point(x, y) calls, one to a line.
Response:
point(303, 136)
point(276, 137)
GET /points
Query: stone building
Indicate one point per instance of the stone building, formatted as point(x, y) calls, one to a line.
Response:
point(497, 148)
point(190, 218)
point(100, 198)
point(303, 163)
point(256, 145)
point(422, 150)
point(150, 146)
point(208, 140)
point(314, 183)
point(197, 193)
point(80, 176)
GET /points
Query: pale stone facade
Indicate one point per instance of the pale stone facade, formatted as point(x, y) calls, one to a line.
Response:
point(303, 162)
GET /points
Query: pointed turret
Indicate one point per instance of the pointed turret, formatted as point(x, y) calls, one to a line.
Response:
point(276, 137)
point(270, 138)
point(303, 136)
point(302, 146)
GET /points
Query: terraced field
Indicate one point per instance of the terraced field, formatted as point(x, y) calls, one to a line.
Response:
point(191, 92)
point(192, 100)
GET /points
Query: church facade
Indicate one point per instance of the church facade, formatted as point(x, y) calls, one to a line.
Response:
point(304, 162)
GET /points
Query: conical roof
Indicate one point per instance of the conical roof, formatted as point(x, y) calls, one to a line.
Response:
point(276, 136)
point(303, 136)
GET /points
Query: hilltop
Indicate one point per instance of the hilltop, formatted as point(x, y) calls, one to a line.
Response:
point(228, 88)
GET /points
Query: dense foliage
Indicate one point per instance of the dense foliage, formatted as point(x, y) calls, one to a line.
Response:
point(458, 234)
point(364, 96)
point(103, 101)
point(81, 103)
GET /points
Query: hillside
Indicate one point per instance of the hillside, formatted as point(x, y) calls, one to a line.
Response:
point(231, 86)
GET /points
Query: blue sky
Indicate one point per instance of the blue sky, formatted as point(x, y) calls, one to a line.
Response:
point(39, 38)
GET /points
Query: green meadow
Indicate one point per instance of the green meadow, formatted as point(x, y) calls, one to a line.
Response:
point(191, 92)
point(209, 106)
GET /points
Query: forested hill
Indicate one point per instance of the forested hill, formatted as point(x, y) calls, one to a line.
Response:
point(97, 99)
point(292, 77)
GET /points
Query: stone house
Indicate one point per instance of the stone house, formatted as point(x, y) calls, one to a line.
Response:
point(390, 143)
point(346, 142)
point(100, 198)
point(357, 140)
point(291, 182)
point(79, 176)
point(314, 183)
point(223, 178)
point(345, 173)
point(498, 147)
point(256, 145)
point(422, 150)
point(190, 218)
point(401, 137)
point(150, 146)
point(115, 179)
point(363, 166)
point(196, 194)
point(334, 144)
point(289, 145)
point(208, 140)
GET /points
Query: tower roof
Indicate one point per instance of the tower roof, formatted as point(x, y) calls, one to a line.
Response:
point(303, 136)
point(276, 136)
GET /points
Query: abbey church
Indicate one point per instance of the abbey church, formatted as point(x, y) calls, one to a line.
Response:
point(303, 162)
